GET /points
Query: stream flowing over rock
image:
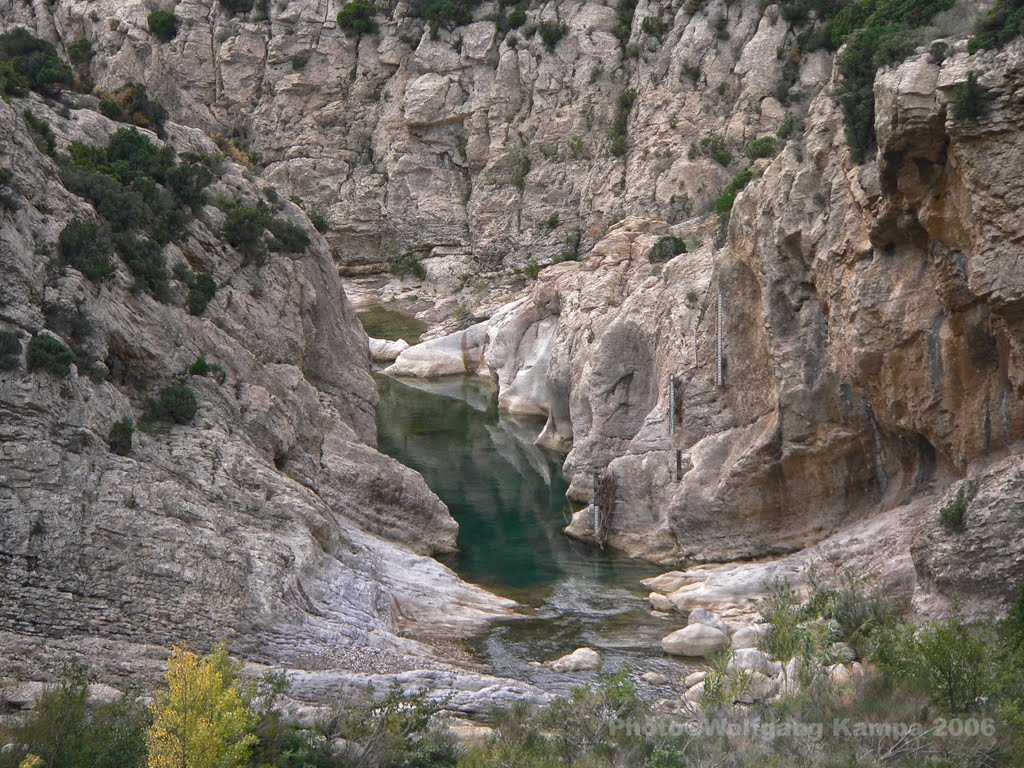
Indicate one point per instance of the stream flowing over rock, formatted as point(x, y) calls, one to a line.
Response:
point(802, 389)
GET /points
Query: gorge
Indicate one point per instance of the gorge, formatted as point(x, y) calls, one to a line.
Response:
point(658, 284)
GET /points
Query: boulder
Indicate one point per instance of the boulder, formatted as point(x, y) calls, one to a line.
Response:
point(694, 677)
point(708, 619)
point(654, 678)
point(386, 351)
point(580, 660)
point(842, 653)
point(695, 640)
point(753, 660)
point(749, 637)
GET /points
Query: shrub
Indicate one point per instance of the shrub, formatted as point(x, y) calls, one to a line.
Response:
point(80, 51)
point(43, 137)
point(65, 728)
point(10, 350)
point(287, 236)
point(652, 25)
point(7, 189)
point(85, 245)
point(999, 26)
point(300, 60)
point(243, 229)
point(949, 660)
point(970, 100)
point(521, 165)
point(357, 18)
point(765, 146)
point(176, 404)
point(532, 269)
point(120, 437)
point(31, 63)
point(940, 51)
point(667, 248)
point(318, 220)
point(131, 104)
point(712, 146)
point(409, 266)
point(48, 354)
point(624, 12)
point(516, 19)
point(551, 31)
point(146, 261)
point(200, 294)
point(163, 25)
point(724, 203)
point(618, 133)
point(202, 368)
point(952, 513)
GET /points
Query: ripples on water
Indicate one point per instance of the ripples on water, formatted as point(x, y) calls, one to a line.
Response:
point(509, 498)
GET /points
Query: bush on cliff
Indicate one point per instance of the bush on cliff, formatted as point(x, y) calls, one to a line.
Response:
point(45, 353)
point(10, 350)
point(163, 25)
point(175, 404)
point(999, 26)
point(29, 63)
point(85, 245)
point(357, 18)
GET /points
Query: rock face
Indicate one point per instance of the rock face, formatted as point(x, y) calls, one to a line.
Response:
point(869, 324)
point(468, 151)
point(270, 520)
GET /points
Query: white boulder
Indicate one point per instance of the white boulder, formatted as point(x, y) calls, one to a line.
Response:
point(695, 640)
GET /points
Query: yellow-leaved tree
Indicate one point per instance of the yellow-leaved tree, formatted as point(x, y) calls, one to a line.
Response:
point(202, 720)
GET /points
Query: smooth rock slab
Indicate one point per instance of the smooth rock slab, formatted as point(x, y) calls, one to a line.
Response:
point(709, 619)
point(386, 351)
point(695, 640)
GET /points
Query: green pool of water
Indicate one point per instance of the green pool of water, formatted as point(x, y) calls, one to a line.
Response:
point(508, 496)
point(384, 323)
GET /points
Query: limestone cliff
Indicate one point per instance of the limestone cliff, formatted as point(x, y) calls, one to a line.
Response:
point(269, 520)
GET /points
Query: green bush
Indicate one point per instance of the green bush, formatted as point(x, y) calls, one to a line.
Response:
point(409, 266)
point(952, 513)
point(80, 51)
point(146, 261)
point(287, 236)
point(876, 34)
point(42, 135)
point(667, 248)
point(712, 146)
point(724, 203)
point(532, 269)
point(300, 60)
point(318, 220)
point(200, 294)
point(48, 354)
point(163, 25)
point(85, 245)
point(66, 729)
point(765, 146)
point(10, 350)
point(654, 26)
point(999, 26)
point(202, 368)
point(120, 437)
point(31, 63)
point(176, 404)
point(970, 100)
point(950, 660)
point(357, 18)
point(618, 133)
point(244, 228)
point(7, 189)
point(551, 31)
point(624, 12)
point(516, 19)
point(131, 104)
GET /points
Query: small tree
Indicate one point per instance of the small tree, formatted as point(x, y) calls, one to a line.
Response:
point(85, 245)
point(356, 18)
point(970, 100)
point(120, 437)
point(48, 354)
point(202, 719)
point(175, 405)
point(200, 294)
point(163, 25)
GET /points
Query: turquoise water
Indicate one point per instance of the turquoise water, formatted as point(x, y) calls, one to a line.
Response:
point(508, 496)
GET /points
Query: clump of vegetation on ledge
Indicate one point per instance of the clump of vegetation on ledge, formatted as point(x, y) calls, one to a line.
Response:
point(1003, 23)
point(357, 18)
point(163, 25)
point(29, 63)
